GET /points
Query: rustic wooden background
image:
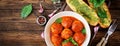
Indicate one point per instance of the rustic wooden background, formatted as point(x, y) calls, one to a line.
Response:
point(15, 31)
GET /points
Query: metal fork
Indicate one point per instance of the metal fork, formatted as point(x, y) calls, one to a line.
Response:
point(111, 29)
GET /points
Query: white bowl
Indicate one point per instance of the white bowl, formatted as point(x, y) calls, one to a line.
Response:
point(66, 13)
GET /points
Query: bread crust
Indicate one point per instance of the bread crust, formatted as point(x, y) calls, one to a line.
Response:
point(94, 14)
point(108, 19)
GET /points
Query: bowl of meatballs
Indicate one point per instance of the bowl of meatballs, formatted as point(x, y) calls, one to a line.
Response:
point(67, 28)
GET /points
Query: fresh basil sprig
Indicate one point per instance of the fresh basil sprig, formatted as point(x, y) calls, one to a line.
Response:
point(97, 3)
point(59, 20)
point(26, 10)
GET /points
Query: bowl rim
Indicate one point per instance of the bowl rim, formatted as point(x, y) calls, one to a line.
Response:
point(66, 13)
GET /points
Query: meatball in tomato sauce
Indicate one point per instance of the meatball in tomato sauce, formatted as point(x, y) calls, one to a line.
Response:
point(77, 26)
point(56, 40)
point(66, 30)
point(66, 33)
point(67, 22)
point(56, 28)
point(79, 37)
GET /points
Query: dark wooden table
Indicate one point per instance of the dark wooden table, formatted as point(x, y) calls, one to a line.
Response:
point(15, 31)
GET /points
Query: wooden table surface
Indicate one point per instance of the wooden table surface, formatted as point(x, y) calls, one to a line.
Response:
point(15, 31)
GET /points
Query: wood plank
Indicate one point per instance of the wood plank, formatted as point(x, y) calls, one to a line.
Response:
point(115, 13)
point(14, 16)
point(21, 38)
point(115, 5)
point(20, 26)
point(113, 40)
point(20, 4)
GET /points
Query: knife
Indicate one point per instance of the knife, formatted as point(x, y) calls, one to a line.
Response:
point(109, 32)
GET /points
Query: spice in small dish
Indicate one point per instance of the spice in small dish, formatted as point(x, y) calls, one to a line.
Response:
point(41, 20)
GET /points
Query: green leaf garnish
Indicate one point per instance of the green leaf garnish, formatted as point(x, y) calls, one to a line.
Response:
point(84, 31)
point(97, 3)
point(73, 41)
point(101, 12)
point(26, 10)
point(59, 20)
point(65, 41)
point(70, 40)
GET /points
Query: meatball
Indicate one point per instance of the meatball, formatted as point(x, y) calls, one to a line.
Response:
point(79, 38)
point(77, 26)
point(56, 40)
point(67, 44)
point(66, 33)
point(56, 28)
point(66, 22)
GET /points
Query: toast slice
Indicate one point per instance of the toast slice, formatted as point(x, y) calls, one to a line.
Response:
point(107, 20)
point(83, 9)
point(104, 22)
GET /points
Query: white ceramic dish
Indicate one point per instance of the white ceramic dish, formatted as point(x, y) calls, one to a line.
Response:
point(66, 13)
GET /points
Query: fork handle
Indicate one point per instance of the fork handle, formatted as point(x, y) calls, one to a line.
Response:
point(104, 43)
point(100, 43)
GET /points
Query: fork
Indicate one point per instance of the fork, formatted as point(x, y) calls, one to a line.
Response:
point(111, 29)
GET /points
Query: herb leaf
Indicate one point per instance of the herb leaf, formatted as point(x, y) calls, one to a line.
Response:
point(26, 10)
point(84, 31)
point(65, 41)
point(73, 41)
point(97, 3)
point(101, 12)
point(59, 20)
point(70, 40)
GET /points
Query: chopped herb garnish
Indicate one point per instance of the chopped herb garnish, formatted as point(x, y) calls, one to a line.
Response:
point(70, 40)
point(84, 31)
point(59, 20)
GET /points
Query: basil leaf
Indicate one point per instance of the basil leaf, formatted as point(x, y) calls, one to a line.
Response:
point(97, 3)
point(65, 41)
point(101, 12)
point(59, 20)
point(73, 41)
point(84, 31)
point(26, 10)
point(70, 40)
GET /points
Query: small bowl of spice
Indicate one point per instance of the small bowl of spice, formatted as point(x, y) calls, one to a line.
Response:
point(41, 20)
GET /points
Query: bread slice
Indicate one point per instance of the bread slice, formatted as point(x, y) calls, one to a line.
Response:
point(104, 22)
point(83, 9)
point(107, 20)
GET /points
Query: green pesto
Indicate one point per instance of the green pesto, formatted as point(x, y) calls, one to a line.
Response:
point(84, 9)
point(97, 3)
point(105, 21)
point(101, 12)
